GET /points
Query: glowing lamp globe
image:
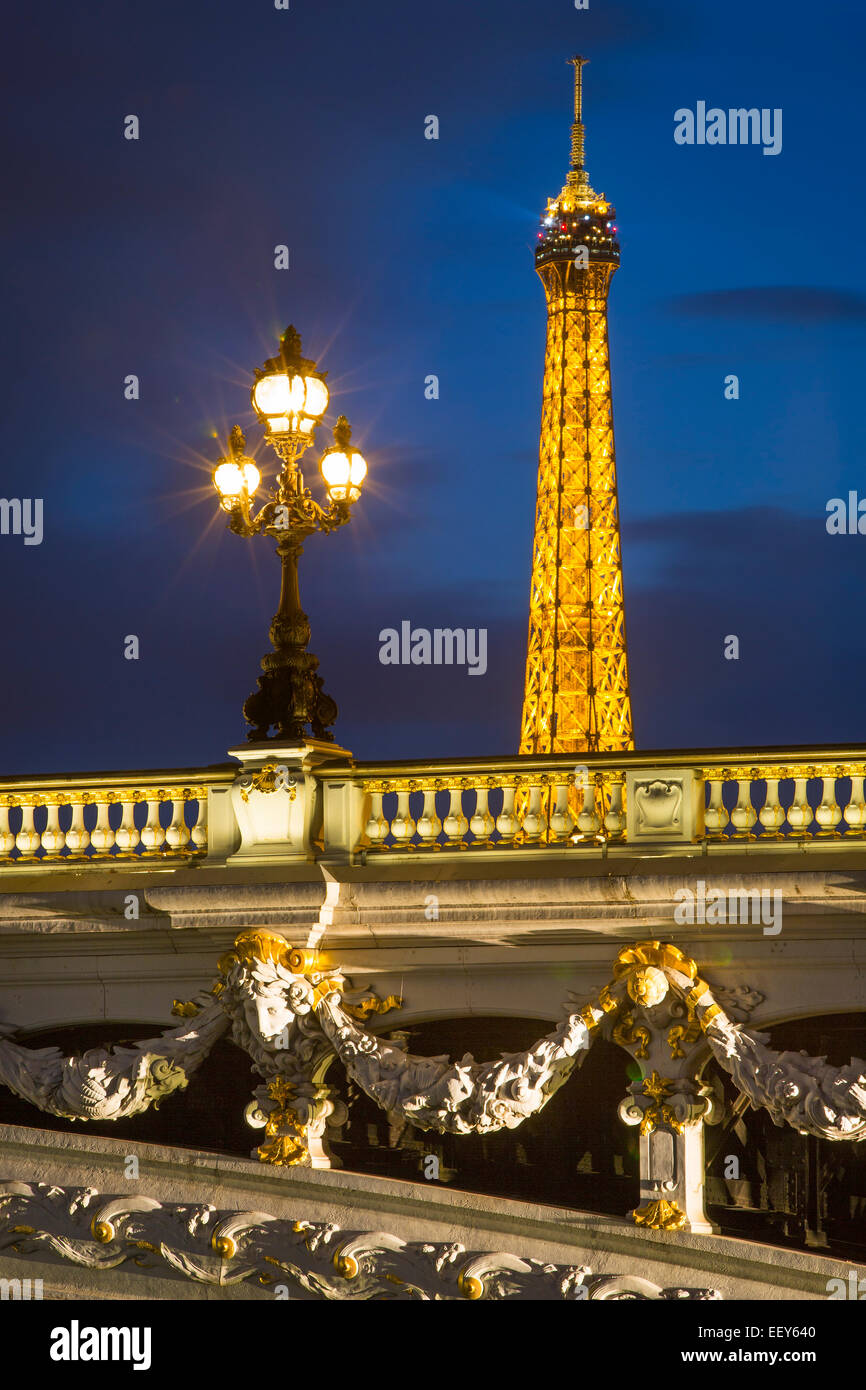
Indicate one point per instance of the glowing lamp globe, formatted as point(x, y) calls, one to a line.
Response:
point(289, 396)
point(236, 477)
point(315, 397)
point(278, 394)
point(252, 478)
point(289, 404)
point(343, 468)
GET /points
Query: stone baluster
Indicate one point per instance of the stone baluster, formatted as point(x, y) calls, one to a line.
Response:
point(177, 831)
point(744, 815)
point(507, 823)
point(482, 823)
point(28, 837)
point(152, 833)
point(855, 812)
point(588, 819)
point(827, 813)
point(198, 833)
point(429, 826)
point(716, 817)
point(378, 825)
point(772, 814)
point(77, 838)
point(534, 821)
point(53, 838)
point(561, 819)
point(615, 821)
point(102, 836)
point(7, 839)
point(403, 826)
point(800, 812)
point(455, 823)
point(127, 836)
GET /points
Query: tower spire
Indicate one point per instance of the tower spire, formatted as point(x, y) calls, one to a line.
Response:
point(578, 178)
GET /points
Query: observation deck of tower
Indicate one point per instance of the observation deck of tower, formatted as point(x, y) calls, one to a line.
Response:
point(576, 695)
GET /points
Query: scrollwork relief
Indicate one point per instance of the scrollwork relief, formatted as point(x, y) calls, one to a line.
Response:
point(290, 1258)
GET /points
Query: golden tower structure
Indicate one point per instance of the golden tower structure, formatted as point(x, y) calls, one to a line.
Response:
point(576, 697)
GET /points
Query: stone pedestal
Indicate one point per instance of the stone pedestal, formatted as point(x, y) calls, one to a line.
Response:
point(672, 1180)
point(276, 799)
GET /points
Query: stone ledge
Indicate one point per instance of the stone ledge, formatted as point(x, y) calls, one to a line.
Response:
point(738, 1268)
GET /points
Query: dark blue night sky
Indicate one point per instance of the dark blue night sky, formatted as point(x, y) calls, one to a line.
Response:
point(411, 257)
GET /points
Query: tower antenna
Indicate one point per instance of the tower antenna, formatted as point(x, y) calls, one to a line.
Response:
point(577, 149)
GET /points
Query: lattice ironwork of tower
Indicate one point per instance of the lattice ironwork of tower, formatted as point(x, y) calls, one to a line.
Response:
point(577, 695)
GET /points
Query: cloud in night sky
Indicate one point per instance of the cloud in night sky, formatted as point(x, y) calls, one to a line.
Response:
point(775, 304)
point(779, 582)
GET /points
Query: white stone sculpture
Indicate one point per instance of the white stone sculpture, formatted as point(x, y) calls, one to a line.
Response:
point(111, 1083)
point(796, 1089)
point(291, 1017)
point(313, 1259)
point(465, 1097)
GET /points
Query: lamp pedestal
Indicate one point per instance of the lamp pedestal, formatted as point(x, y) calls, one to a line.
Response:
point(276, 801)
point(291, 696)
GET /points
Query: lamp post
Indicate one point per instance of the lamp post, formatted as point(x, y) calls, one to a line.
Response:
point(290, 397)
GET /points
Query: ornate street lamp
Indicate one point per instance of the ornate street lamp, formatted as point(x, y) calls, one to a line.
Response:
point(290, 397)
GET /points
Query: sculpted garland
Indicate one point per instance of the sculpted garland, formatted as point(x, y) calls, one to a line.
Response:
point(292, 1017)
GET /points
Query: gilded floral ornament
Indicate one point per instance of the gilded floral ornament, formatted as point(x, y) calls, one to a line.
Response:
point(286, 1145)
point(628, 1033)
point(682, 1036)
point(657, 1086)
point(661, 955)
point(373, 1005)
point(271, 777)
point(185, 1008)
point(658, 1089)
point(660, 1216)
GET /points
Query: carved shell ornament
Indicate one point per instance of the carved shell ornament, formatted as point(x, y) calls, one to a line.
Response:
point(647, 985)
point(659, 804)
point(292, 1014)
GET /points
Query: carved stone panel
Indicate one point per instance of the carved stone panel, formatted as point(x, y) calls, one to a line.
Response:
point(666, 805)
point(661, 1156)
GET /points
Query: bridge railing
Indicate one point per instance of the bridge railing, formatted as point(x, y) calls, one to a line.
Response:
point(341, 809)
point(106, 817)
point(608, 800)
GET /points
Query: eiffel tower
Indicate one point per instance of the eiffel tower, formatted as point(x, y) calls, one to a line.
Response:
point(576, 697)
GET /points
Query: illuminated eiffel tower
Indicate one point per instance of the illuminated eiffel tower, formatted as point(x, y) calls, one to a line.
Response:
point(576, 697)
